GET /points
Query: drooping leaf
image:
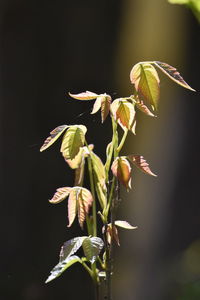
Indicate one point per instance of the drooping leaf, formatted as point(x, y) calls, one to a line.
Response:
point(73, 140)
point(92, 247)
point(99, 178)
point(111, 234)
point(77, 161)
point(122, 170)
point(124, 112)
point(105, 106)
point(70, 247)
point(79, 173)
point(85, 199)
point(172, 73)
point(140, 162)
point(60, 195)
point(103, 101)
point(62, 266)
point(146, 81)
point(141, 106)
point(96, 106)
point(84, 96)
point(124, 224)
point(54, 135)
point(72, 206)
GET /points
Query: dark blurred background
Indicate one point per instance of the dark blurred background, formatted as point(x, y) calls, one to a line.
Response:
point(48, 48)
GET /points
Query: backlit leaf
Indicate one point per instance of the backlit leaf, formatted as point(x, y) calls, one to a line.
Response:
point(77, 161)
point(141, 106)
point(70, 247)
point(140, 162)
point(124, 112)
point(62, 266)
point(145, 78)
point(92, 247)
point(54, 135)
point(85, 199)
point(96, 106)
point(84, 96)
point(122, 170)
point(105, 106)
point(111, 234)
point(60, 195)
point(73, 140)
point(79, 173)
point(173, 74)
point(124, 224)
point(72, 206)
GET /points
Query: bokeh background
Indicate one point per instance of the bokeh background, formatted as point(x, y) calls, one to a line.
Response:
point(48, 48)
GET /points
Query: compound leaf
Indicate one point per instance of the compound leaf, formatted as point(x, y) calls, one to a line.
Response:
point(70, 247)
point(84, 199)
point(146, 81)
point(54, 135)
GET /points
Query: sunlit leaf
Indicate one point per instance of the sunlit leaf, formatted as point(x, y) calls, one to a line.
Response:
point(84, 96)
point(194, 5)
point(92, 247)
point(77, 161)
point(173, 74)
point(122, 170)
point(54, 135)
point(79, 173)
point(70, 247)
point(73, 140)
point(101, 193)
point(62, 266)
point(60, 195)
point(140, 162)
point(124, 224)
point(141, 106)
point(124, 112)
point(145, 78)
point(84, 200)
point(105, 106)
point(72, 206)
point(96, 106)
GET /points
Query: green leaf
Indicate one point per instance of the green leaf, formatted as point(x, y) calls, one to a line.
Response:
point(84, 96)
point(54, 135)
point(92, 246)
point(173, 74)
point(62, 266)
point(140, 162)
point(124, 224)
point(79, 173)
point(194, 5)
point(145, 78)
point(73, 140)
point(60, 195)
point(124, 112)
point(70, 247)
point(122, 170)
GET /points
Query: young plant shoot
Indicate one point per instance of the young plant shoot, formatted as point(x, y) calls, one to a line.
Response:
point(105, 177)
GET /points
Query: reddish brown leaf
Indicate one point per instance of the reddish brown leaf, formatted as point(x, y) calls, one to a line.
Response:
point(85, 199)
point(96, 106)
point(173, 74)
point(105, 106)
point(84, 96)
point(124, 112)
point(60, 195)
point(124, 224)
point(140, 162)
point(111, 234)
point(122, 170)
point(141, 106)
point(72, 206)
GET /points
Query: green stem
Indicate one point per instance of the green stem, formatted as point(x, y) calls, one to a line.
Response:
point(94, 211)
point(122, 140)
